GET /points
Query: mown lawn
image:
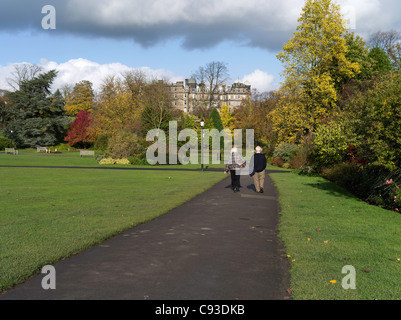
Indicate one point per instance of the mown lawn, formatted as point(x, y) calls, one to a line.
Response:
point(325, 228)
point(48, 214)
point(29, 157)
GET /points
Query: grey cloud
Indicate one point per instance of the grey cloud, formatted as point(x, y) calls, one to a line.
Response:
point(199, 24)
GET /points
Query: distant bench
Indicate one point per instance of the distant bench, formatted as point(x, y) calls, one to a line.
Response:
point(11, 151)
point(87, 153)
point(40, 149)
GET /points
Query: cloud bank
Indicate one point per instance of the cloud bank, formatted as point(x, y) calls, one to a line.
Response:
point(76, 70)
point(199, 24)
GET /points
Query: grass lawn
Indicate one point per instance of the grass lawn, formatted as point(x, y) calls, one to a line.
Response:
point(47, 214)
point(29, 157)
point(325, 228)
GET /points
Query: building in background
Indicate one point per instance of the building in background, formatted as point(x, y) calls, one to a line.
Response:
point(190, 95)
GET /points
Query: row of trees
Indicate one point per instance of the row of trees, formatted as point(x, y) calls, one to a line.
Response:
point(114, 120)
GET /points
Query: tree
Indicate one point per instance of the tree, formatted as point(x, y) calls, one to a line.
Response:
point(81, 98)
point(36, 115)
point(212, 76)
point(23, 72)
point(78, 132)
point(117, 108)
point(226, 116)
point(390, 42)
point(380, 60)
point(216, 119)
point(372, 111)
point(158, 108)
point(315, 63)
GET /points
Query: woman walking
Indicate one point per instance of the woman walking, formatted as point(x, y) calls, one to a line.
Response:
point(235, 162)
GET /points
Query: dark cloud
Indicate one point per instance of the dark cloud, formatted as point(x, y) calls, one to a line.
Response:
point(200, 24)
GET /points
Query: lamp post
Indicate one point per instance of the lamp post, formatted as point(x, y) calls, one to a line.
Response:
point(202, 123)
point(12, 136)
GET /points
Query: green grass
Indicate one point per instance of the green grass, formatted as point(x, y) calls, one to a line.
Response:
point(48, 214)
point(30, 157)
point(325, 228)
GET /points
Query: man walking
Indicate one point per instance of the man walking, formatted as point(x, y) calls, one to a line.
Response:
point(258, 162)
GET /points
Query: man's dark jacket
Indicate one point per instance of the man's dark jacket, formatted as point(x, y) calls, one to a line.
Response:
point(259, 163)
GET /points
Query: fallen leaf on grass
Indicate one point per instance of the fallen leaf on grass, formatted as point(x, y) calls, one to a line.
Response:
point(327, 241)
point(333, 281)
point(318, 229)
point(367, 271)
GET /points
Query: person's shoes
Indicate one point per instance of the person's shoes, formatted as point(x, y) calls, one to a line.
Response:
point(261, 190)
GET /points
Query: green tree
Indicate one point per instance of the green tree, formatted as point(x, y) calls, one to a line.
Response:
point(216, 119)
point(37, 116)
point(315, 63)
point(380, 60)
point(372, 110)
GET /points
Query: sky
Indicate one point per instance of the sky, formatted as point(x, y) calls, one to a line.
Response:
point(166, 39)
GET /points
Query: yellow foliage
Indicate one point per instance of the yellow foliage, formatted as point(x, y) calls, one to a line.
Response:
point(314, 62)
point(114, 161)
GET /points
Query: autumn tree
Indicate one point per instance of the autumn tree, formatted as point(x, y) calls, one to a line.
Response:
point(158, 107)
point(226, 116)
point(81, 98)
point(118, 108)
point(78, 133)
point(315, 63)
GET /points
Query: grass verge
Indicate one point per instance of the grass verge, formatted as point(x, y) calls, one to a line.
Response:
point(48, 214)
point(325, 228)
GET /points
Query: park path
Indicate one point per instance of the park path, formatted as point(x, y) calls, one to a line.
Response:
point(218, 246)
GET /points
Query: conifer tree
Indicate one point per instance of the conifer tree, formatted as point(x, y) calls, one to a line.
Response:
point(37, 116)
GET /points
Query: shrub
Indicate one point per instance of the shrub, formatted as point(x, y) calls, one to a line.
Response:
point(114, 161)
point(286, 151)
point(101, 143)
point(124, 145)
point(374, 184)
point(278, 162)
point(4, 143)
point(329, 145)
point(138, 161)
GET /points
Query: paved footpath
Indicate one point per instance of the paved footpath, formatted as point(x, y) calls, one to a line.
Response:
point(218, 246)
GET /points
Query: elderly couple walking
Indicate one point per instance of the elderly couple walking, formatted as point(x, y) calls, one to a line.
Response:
point(257, 169)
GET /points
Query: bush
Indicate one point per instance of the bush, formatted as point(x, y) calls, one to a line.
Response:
point(138, 161)
point(114, 161)
point(374, 184)
point(124, 145)
point(278, 162)
point(101, 143)
point(286, 151)
point(4, 143)
point(329, 145)
point(63, 147)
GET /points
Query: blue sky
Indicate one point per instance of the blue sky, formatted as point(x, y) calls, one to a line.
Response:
point(164, 38)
